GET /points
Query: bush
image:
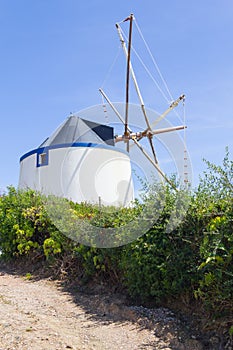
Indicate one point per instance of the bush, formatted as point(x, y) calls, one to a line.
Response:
point(194, 259)
point(216, 244)
point(159, 265)
point(25, 228)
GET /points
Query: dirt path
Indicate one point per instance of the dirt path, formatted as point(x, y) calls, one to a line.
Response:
point(40, 315)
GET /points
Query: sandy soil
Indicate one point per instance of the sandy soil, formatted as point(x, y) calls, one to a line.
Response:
point(41, 314)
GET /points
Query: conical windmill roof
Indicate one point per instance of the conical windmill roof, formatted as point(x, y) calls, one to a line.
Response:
point(75, 129)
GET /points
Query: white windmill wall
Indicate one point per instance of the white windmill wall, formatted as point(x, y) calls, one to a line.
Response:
point(79, 173)
point(28, 177)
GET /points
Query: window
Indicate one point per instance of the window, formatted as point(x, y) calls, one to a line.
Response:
point(42, 157)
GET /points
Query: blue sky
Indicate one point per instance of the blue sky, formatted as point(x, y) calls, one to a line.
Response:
point(55, 54)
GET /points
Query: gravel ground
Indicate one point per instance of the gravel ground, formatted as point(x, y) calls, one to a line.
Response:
point(40, 314)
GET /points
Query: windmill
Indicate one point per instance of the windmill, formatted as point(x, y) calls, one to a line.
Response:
point(83, 160)
point(132, 138)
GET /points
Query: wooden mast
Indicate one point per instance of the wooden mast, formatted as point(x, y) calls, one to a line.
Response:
point(148, 132)
point(130, 18)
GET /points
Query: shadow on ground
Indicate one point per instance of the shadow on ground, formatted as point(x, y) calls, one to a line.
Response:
point(103, 305)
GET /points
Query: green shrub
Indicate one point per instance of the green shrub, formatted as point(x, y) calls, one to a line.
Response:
point(25, 227)
point(214, 199)
point(187, 252)
point(159, 265)
point(16, 232)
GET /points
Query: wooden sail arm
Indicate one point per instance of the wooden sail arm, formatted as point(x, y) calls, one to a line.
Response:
point(113, 107)
point(168, 110)
point(139, 135)
point(172, 128)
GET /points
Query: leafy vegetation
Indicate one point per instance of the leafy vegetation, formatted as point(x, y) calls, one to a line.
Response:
point(194, 260)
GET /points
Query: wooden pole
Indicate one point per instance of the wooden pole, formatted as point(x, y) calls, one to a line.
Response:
point(127, 78)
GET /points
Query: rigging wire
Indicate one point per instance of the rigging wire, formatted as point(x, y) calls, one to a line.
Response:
point(105, 111)
point(186, 174)
point(168, 100)
point(154, 62)
point(159, 72)
point(147, 69)
point(104, 82)
point(111, 67)
point(151, 76)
